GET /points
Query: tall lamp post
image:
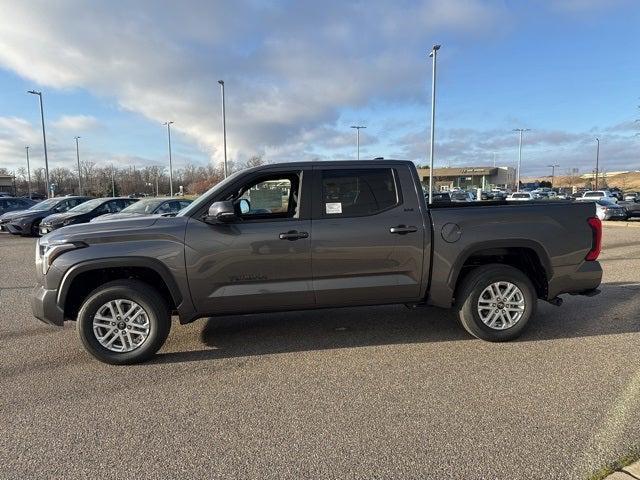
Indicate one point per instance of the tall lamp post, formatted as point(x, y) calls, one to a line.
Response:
point(597, 160)
point(79, 171)
point(433, 54)
point(553, 172)
point(28, 172)
point(168, 124)
point(358, 127)
point(520, 131)
point(44, 139)
point(224, 129)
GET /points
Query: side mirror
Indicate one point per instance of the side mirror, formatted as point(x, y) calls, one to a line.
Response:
point(244, 205)
point(221, 212)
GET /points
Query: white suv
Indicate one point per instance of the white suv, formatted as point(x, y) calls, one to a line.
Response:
point(593, 195)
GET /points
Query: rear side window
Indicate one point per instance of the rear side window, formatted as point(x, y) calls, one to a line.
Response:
point(358, 192)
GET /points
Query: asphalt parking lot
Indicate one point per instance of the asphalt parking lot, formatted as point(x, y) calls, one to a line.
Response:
point(381, 392)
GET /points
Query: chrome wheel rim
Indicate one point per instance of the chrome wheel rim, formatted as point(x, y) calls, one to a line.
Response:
point(501, 305)
point(121, 325)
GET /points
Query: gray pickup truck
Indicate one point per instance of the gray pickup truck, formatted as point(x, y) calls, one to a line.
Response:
point(299, 236)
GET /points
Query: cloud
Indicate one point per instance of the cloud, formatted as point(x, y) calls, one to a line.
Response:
point(76, 123)
point(476, 147)
point(289, 67)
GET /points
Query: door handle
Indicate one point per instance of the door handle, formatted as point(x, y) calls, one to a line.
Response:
point(293, 235)
point(403, 229)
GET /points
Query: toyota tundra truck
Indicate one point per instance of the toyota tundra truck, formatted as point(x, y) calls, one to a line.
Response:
point(298, 236)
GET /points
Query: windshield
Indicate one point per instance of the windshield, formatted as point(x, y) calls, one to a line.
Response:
point(204, 198)
point(45, 205)
point(144, 206)
point(87, 206)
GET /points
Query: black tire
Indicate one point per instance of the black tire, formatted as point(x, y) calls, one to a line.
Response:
point(472, 287)
point(148, 298)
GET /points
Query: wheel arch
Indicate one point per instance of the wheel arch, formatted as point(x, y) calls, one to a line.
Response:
point(83, 277)
point(528, 256)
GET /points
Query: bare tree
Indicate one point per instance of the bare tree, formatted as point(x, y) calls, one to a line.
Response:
point(254, 161)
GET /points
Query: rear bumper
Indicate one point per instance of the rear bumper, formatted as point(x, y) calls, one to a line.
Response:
point(45, 307)
point(583, 280)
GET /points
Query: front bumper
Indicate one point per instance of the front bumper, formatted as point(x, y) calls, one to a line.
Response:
point(617, 215)
point(45, 307)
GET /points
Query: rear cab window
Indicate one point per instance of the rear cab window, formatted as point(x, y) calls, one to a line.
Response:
point(358, 192)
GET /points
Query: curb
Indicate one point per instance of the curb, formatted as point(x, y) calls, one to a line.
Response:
point(609, 223)
point(630, 472)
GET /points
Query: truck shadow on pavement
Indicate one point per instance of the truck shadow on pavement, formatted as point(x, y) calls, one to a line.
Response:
point(614, 311)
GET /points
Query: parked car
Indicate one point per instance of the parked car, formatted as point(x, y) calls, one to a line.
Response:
point(147, 206)
point(84, 212)
point(521, 197)
point(440, 197)
point(11, 204)
point(617, 193)
point(631, 197)
point(35, 196)
point(499, 194)
point(632, 208)
point(27, 222)
point(606, 209)
point(592, 195)
point(297, 236)
point(462, 196)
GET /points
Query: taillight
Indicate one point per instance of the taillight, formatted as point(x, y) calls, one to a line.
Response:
point(596, 245)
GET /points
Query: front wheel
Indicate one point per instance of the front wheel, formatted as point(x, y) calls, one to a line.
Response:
point(123, 322)
point(495, 302)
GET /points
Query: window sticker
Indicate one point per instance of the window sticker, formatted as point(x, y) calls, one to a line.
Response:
point(333, 208)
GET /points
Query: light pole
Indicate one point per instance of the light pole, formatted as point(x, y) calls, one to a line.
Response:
point(519, 130)
point(168, 124)
point(224, 129)
point(79, 172)
point(113, 182)
point(28, 172)
point(358, 127)
point(44, 139)
point(433, 54)
point(553, 172)
point(597, 160)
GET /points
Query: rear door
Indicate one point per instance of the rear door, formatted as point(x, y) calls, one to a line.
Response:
point(367, 239)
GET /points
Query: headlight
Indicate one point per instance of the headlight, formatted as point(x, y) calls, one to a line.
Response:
point(47, 252)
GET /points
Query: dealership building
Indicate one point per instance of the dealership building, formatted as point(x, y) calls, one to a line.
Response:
point(486, 178)
point(8, 184)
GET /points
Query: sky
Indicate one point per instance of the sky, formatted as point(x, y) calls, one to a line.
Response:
point(299, 73)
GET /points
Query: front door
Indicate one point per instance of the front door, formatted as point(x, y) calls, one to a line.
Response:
point(367, 237)
point(261, 261)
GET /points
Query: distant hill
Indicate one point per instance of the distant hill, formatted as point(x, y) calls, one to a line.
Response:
point(622, 180)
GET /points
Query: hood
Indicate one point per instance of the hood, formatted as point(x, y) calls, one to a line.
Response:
point(94, 232)
point(12, 214)
point(23, 213)
point(118, 216)
point(59, 217)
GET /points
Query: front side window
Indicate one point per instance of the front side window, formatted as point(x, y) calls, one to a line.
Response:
point(271, 197)
point(358, 192)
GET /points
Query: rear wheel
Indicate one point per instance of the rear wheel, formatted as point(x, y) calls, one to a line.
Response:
point(123, 322)
point(495, 302)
